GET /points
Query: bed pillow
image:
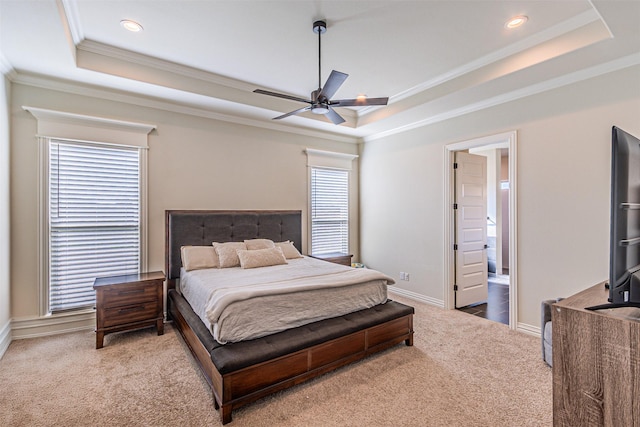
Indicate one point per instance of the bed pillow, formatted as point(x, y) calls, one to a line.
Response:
point(198, 257)
point(228, 257)
point(261, 257)
point(289, 250)
point(254, 244)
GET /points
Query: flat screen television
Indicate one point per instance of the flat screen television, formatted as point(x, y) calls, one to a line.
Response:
point(624, 242)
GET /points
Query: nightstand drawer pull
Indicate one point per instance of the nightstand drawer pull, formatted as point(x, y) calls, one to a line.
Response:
point(131, 292)
point(131, 309)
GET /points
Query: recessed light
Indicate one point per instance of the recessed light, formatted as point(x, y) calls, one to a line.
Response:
point(516, 21)
point(130, 25)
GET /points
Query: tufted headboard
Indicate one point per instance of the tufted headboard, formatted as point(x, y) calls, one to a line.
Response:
point(202, 228)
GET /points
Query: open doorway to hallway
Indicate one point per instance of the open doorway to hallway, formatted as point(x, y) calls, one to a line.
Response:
point(496, 306)
point(500, 304)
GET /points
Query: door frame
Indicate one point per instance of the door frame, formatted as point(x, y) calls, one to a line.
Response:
point(503, 140)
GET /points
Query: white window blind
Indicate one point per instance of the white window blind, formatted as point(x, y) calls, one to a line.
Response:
point(94, 218)
point(329, 211)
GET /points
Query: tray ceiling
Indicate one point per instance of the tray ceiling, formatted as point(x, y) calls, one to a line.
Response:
point(434, 59)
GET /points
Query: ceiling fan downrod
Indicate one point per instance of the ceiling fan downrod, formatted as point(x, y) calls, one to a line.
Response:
point(319, 27)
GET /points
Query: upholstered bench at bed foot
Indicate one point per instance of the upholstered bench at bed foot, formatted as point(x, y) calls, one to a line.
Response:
point(253, 369)
point(232, 357)
point(241, 373)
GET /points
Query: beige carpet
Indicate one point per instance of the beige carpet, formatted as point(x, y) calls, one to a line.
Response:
point(462, 371)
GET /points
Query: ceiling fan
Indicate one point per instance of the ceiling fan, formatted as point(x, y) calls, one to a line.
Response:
point(321, 102)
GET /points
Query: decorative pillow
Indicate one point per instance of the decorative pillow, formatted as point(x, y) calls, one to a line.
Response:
point(261, 257)
point(289, 250)
point(198, 257)
point(227, 253)
point(254, 244)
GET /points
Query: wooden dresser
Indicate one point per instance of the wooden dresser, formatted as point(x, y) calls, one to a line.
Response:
point(127, 302)
point(596, 362)
point(335, 257)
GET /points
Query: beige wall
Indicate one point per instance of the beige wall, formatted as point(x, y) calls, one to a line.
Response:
point(563, 184)
point(5, 309)
point(194, 163)
point(563, 189)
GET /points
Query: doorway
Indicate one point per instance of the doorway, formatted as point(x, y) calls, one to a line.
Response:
point(500, 304)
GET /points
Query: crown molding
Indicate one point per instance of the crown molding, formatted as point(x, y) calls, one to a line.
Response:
point(175, 107)
point(108, 51)
point(551, 33)
point(567, 79)
point(86, 90)
point(5, 68)
point(89, 52)
point(71, 19)
point(521, 62)
point(128, 64)
point(510, 50)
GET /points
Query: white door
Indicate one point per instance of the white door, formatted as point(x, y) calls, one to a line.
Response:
point(470, 229)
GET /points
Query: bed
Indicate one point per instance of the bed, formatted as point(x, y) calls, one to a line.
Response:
point(241, 372)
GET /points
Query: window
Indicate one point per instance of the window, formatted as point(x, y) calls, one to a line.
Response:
point(92, 205)
point(329, 174)
point(329, 211)
point(94, 218)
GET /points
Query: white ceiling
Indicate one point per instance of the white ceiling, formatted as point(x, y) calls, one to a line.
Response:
point(434, 59)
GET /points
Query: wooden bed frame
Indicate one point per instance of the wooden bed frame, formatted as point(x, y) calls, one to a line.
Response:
point(364, 332)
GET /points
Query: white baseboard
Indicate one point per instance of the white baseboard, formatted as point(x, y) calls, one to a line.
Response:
point(416, 296)
point(521, 327)
point(52, 325)
point(5, 338)
point(529, 329)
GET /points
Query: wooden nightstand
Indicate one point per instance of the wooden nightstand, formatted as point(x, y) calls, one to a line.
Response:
point(335, 257)
point(130, 301)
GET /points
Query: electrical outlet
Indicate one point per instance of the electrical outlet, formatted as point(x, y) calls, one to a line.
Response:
point(406, 276)
point(402, 275)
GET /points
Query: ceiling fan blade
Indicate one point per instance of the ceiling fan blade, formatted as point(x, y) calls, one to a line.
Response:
point(281, 95)
point(298, 111)
point(335, 80)
point(358, 102)
point(334, 117)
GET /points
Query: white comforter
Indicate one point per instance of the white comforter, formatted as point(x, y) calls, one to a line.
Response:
point(239, 304)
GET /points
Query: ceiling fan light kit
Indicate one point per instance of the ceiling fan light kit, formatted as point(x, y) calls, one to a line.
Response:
point(320, 109)
point(321, 102)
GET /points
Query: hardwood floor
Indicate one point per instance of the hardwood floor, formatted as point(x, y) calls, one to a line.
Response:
point(496, 307)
